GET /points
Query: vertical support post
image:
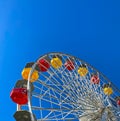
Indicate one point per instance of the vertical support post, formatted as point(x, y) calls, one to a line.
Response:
point(18, 107)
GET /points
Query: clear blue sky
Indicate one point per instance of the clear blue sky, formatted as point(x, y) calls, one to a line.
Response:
point(88, 29)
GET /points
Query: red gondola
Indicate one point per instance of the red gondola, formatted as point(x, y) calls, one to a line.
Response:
point(95, 79)
point(118, 100)
point(43, 65)
point(69, 65)
point(19, 96)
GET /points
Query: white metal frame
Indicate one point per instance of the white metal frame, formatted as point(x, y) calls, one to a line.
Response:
point(63, 95)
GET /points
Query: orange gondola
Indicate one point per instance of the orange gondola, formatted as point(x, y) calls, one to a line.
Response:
point(26, 72)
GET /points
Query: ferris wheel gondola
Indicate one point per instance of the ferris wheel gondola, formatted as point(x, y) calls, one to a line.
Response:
point(61, 87)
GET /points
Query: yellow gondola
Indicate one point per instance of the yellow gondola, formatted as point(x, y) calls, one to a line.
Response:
point(26, 71)
point(56, 62)
point(82, 70)
point(107, 89)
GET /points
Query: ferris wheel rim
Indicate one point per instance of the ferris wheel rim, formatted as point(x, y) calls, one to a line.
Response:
point(60, 53)
point(105, 77)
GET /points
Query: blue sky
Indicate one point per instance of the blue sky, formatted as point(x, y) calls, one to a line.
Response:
point(88, 29)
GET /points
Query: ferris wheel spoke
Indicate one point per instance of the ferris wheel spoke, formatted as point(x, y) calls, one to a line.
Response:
point(47, 116)
point(63, 77)
point(53, 97)
point(73, 90)
point(62, 101)
point(64, 113)
point(84, 87)
point(52, 88)
point(71, 101)
point(93, 87)
point(87, 96)
point(73, 81)
point(67, 81)
point(93, 93)
point(75, 76)
point(59, 85)
point(64, 91)
point(56, 104)
point(50, 78)
point(91, 116)
point(59, 109)
point(58, 119)
point(53, 106)
point(60, 115)
point(88, 83)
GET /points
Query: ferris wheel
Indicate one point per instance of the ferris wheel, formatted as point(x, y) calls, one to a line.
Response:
point(61, 87)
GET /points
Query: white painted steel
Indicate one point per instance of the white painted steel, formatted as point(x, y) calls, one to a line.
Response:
point(62, 95)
